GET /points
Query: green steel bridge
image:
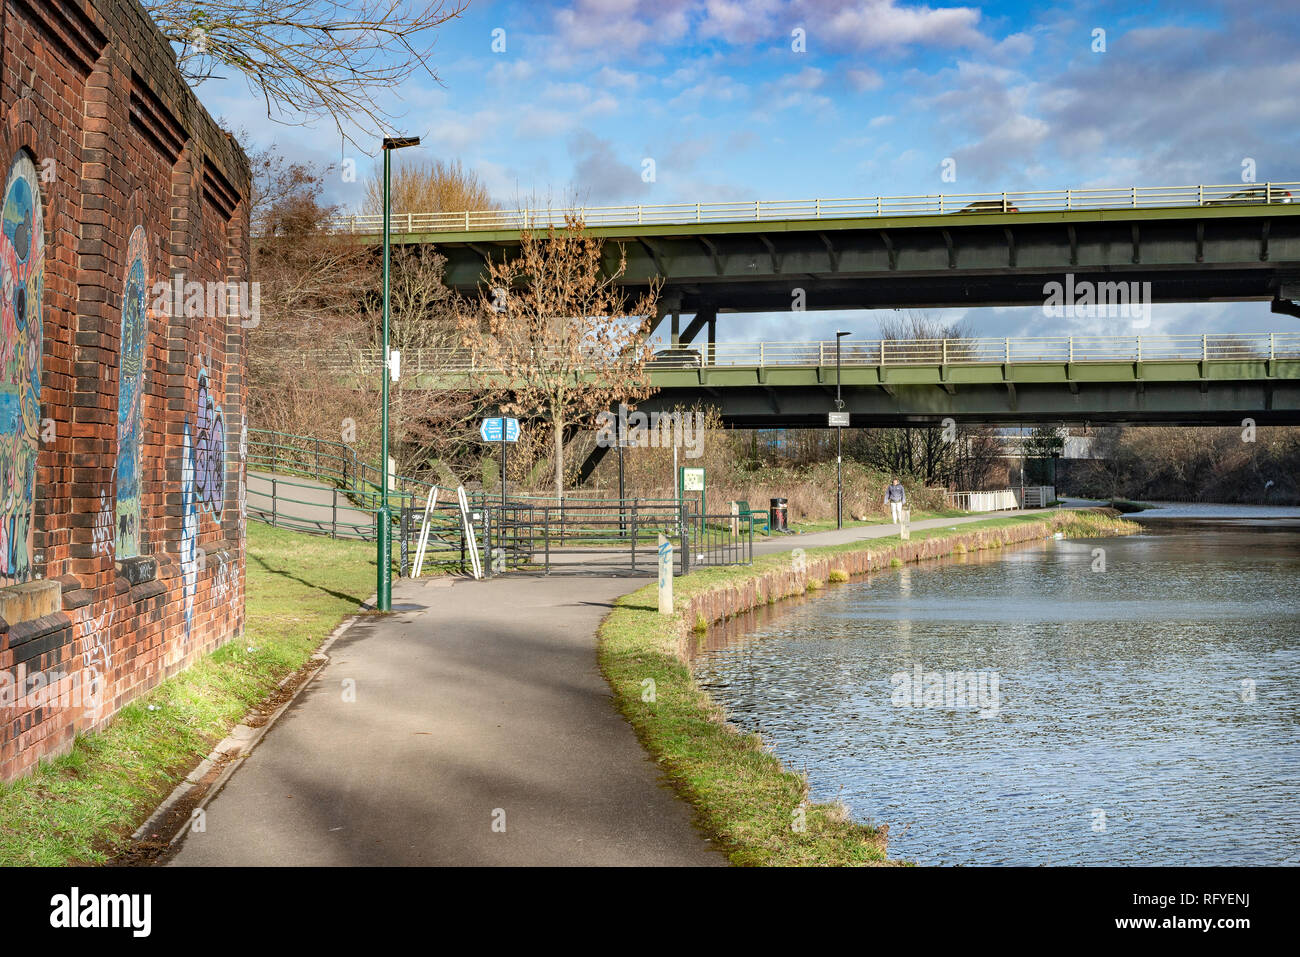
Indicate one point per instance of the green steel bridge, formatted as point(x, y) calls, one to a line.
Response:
point(1192, 380)
point(1191, 243)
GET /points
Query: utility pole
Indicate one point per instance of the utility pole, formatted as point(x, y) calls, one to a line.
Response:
point(384, 572)
point(839, 440)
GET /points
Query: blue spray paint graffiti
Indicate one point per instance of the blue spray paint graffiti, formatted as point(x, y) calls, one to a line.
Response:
point(203, 483)
point(189, 529)
point(129, 399)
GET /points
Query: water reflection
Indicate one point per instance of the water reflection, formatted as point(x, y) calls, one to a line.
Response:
point(1147, 712)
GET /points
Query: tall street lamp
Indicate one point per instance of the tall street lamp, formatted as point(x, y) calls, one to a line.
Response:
point(839, 440)
point(384, 573)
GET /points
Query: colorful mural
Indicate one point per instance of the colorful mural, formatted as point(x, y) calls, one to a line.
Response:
point(130, 386)
point(22, 274)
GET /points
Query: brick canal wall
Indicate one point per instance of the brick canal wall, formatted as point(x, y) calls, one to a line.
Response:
point(122, 433)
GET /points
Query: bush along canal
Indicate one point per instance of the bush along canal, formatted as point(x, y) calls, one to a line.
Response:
point(759, 811)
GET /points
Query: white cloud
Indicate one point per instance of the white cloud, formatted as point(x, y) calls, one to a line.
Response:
point(883, 24)
point(863, 80)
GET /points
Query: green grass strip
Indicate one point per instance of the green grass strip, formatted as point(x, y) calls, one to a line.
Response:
point(82, 807)
point(751, 806)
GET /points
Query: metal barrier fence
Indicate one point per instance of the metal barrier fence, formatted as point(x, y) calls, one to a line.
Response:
point(1036, 496)
point(614, 536)
point(577, 534)
point(998, 500)
point(1018, 201)
point(1257, 346)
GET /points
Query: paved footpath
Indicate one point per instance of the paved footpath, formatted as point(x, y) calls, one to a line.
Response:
point(472, 701)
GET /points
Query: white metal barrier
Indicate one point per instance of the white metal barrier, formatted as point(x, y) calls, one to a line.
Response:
point(1001, 500)
point(1036, 496)
point(1233, 346)
point(997, 501)
point(1019, 201)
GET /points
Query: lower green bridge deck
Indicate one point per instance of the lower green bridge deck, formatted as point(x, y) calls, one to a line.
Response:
point(1189, 380)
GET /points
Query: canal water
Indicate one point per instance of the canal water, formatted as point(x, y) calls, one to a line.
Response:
point(1112, 701)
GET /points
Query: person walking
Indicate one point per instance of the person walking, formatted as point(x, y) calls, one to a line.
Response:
point(896, 498)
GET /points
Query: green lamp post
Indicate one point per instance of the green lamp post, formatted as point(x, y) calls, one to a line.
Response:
point(384, 583)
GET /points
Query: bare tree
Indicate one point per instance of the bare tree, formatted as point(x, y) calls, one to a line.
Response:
point(962, 456)
point(434, 427)
point(312, 282)
point(562, 332)
point(308, 58)
point(435, 186)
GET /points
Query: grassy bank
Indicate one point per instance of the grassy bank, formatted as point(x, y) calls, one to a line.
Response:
point(83, 806)
point(747, 802)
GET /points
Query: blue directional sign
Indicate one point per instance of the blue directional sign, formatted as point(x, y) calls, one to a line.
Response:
point(499, 429)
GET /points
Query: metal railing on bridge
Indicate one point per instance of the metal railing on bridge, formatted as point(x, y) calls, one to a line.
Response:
point(924, 204)
point(874, 352)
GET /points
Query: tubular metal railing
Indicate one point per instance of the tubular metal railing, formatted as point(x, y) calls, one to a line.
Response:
point(577, 533)
point(877, 352)
point(1019, 201)
point(614, 535)
point(354, 496)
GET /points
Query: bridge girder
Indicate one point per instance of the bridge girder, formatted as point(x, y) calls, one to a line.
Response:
point(1138, 403)
point(1187, 254)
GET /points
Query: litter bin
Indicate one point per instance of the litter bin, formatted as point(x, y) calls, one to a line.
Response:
point(777, 508)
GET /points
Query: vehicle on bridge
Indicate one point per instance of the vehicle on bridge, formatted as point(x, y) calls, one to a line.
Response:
point(987, 206)
point(676, 358)
point(1252, 196)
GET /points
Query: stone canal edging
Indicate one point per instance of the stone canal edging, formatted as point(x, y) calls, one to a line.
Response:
point(797, 575)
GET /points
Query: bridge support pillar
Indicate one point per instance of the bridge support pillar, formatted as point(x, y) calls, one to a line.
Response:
point(707, 316)
point(1286, 307)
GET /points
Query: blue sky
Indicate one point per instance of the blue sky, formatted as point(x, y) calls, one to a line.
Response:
point(884, 91)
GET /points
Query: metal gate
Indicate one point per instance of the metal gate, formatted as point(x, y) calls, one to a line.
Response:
point(613, 537)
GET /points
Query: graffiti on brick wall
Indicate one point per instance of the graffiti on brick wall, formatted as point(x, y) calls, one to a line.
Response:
point(189, 529)
point(243, 480)
point(95, 659)
point(130, 388)
point(102, 534)
point(203, 482)
point(209, 449)
point(22, 273)
point(223, 582)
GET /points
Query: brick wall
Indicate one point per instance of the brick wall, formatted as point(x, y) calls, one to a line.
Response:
point(121, 416)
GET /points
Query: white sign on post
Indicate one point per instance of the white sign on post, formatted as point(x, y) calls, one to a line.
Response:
point(837, 420)
point(665, 575)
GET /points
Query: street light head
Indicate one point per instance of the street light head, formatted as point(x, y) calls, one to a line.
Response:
point(398, 142)
point(838, 334)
